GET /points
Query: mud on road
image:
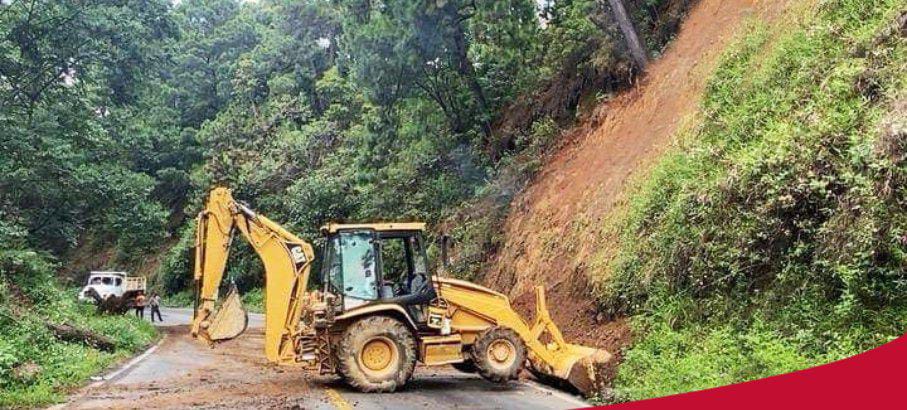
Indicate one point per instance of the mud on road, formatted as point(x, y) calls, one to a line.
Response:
point(183, 373)
point(187, 374)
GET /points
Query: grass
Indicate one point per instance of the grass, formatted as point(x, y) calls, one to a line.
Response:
point(772, 237)
point(254, 300)
point(178, 300)
point(671, 361)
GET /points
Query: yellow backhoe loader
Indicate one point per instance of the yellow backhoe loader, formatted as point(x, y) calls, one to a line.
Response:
point(376, 310)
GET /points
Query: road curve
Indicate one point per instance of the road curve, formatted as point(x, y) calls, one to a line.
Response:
point(184, 373)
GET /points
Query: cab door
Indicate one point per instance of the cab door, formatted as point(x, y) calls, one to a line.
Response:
point(351, 269)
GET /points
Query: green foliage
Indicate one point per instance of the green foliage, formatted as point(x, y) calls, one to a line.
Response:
point(672, 361)
point(176, 270)
point(254, 300)
point(35, 367)
point(781, 217)
point(181, 299)
point(63, 68)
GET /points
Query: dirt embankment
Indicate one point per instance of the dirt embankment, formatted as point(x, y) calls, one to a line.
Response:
point(555, 226)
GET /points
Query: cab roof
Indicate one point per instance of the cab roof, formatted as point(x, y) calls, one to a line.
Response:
point(380, 227)
point(107, 273)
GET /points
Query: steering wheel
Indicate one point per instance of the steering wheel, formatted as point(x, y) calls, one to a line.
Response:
point(398, 289)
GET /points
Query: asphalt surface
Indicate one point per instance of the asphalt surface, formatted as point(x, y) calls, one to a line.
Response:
point(181, 317)
point(183, 373)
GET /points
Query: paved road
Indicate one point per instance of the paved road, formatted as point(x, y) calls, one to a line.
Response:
point(184, 373)
point(182, 317)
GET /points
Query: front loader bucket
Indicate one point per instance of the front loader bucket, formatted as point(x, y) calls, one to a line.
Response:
point(577, 365)
point(229, 321)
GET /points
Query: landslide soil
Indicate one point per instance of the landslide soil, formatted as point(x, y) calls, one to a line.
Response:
point(234, 375)
point(554, 234)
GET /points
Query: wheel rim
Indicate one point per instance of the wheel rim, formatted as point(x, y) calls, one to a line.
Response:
point(501, 353)
point(379, 357)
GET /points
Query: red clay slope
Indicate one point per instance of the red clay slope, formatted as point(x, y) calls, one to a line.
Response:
point(555, 224)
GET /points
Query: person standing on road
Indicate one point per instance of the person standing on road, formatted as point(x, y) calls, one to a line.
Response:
point(140, 305)
point(155, 303)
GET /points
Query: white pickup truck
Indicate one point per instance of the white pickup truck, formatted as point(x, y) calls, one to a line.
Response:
point(118, 286)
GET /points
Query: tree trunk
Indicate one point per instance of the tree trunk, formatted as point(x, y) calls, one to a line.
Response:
point(626, 27)
point(71, 334)
point(468, 72)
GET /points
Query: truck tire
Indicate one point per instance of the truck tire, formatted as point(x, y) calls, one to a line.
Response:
point(377, 354)
point(93, 294)
point(498, 354)
point(113, 305)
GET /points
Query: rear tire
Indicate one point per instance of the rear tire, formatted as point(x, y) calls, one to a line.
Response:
point(498, 354)
point(377, 354)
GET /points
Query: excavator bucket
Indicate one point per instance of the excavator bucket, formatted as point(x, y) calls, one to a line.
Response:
point(230, 320)
point(577, 365)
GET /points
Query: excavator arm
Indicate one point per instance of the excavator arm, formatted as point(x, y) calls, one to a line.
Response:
point(287, 261)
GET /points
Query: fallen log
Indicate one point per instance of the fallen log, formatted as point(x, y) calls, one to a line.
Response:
point(68, 333)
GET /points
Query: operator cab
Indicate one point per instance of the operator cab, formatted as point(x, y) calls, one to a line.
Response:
point(101, 285)
point(378, 263)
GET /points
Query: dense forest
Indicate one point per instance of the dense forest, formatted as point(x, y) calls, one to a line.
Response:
point(117, 116)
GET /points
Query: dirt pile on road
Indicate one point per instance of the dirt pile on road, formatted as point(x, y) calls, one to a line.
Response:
point(234, 375)
point(558, 222)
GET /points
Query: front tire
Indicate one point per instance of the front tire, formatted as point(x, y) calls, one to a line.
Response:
point(377, 354)
point(498, 354)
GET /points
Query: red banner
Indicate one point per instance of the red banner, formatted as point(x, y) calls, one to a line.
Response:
point(870, 380)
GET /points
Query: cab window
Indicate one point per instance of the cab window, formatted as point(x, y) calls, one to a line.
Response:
point(395, 269)
point(401, 261)
point(419, 262)
point(358, 255)
point(332, 264)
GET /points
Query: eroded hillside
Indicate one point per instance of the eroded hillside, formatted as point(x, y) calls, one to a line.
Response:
point(557, 223)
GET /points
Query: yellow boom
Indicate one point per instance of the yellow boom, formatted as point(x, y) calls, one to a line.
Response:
point(287, 260)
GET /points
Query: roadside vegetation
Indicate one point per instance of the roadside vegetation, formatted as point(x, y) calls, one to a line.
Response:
point(773, 237)
point(37, 367)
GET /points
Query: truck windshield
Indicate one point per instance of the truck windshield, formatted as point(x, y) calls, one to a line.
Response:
point(357, 252)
